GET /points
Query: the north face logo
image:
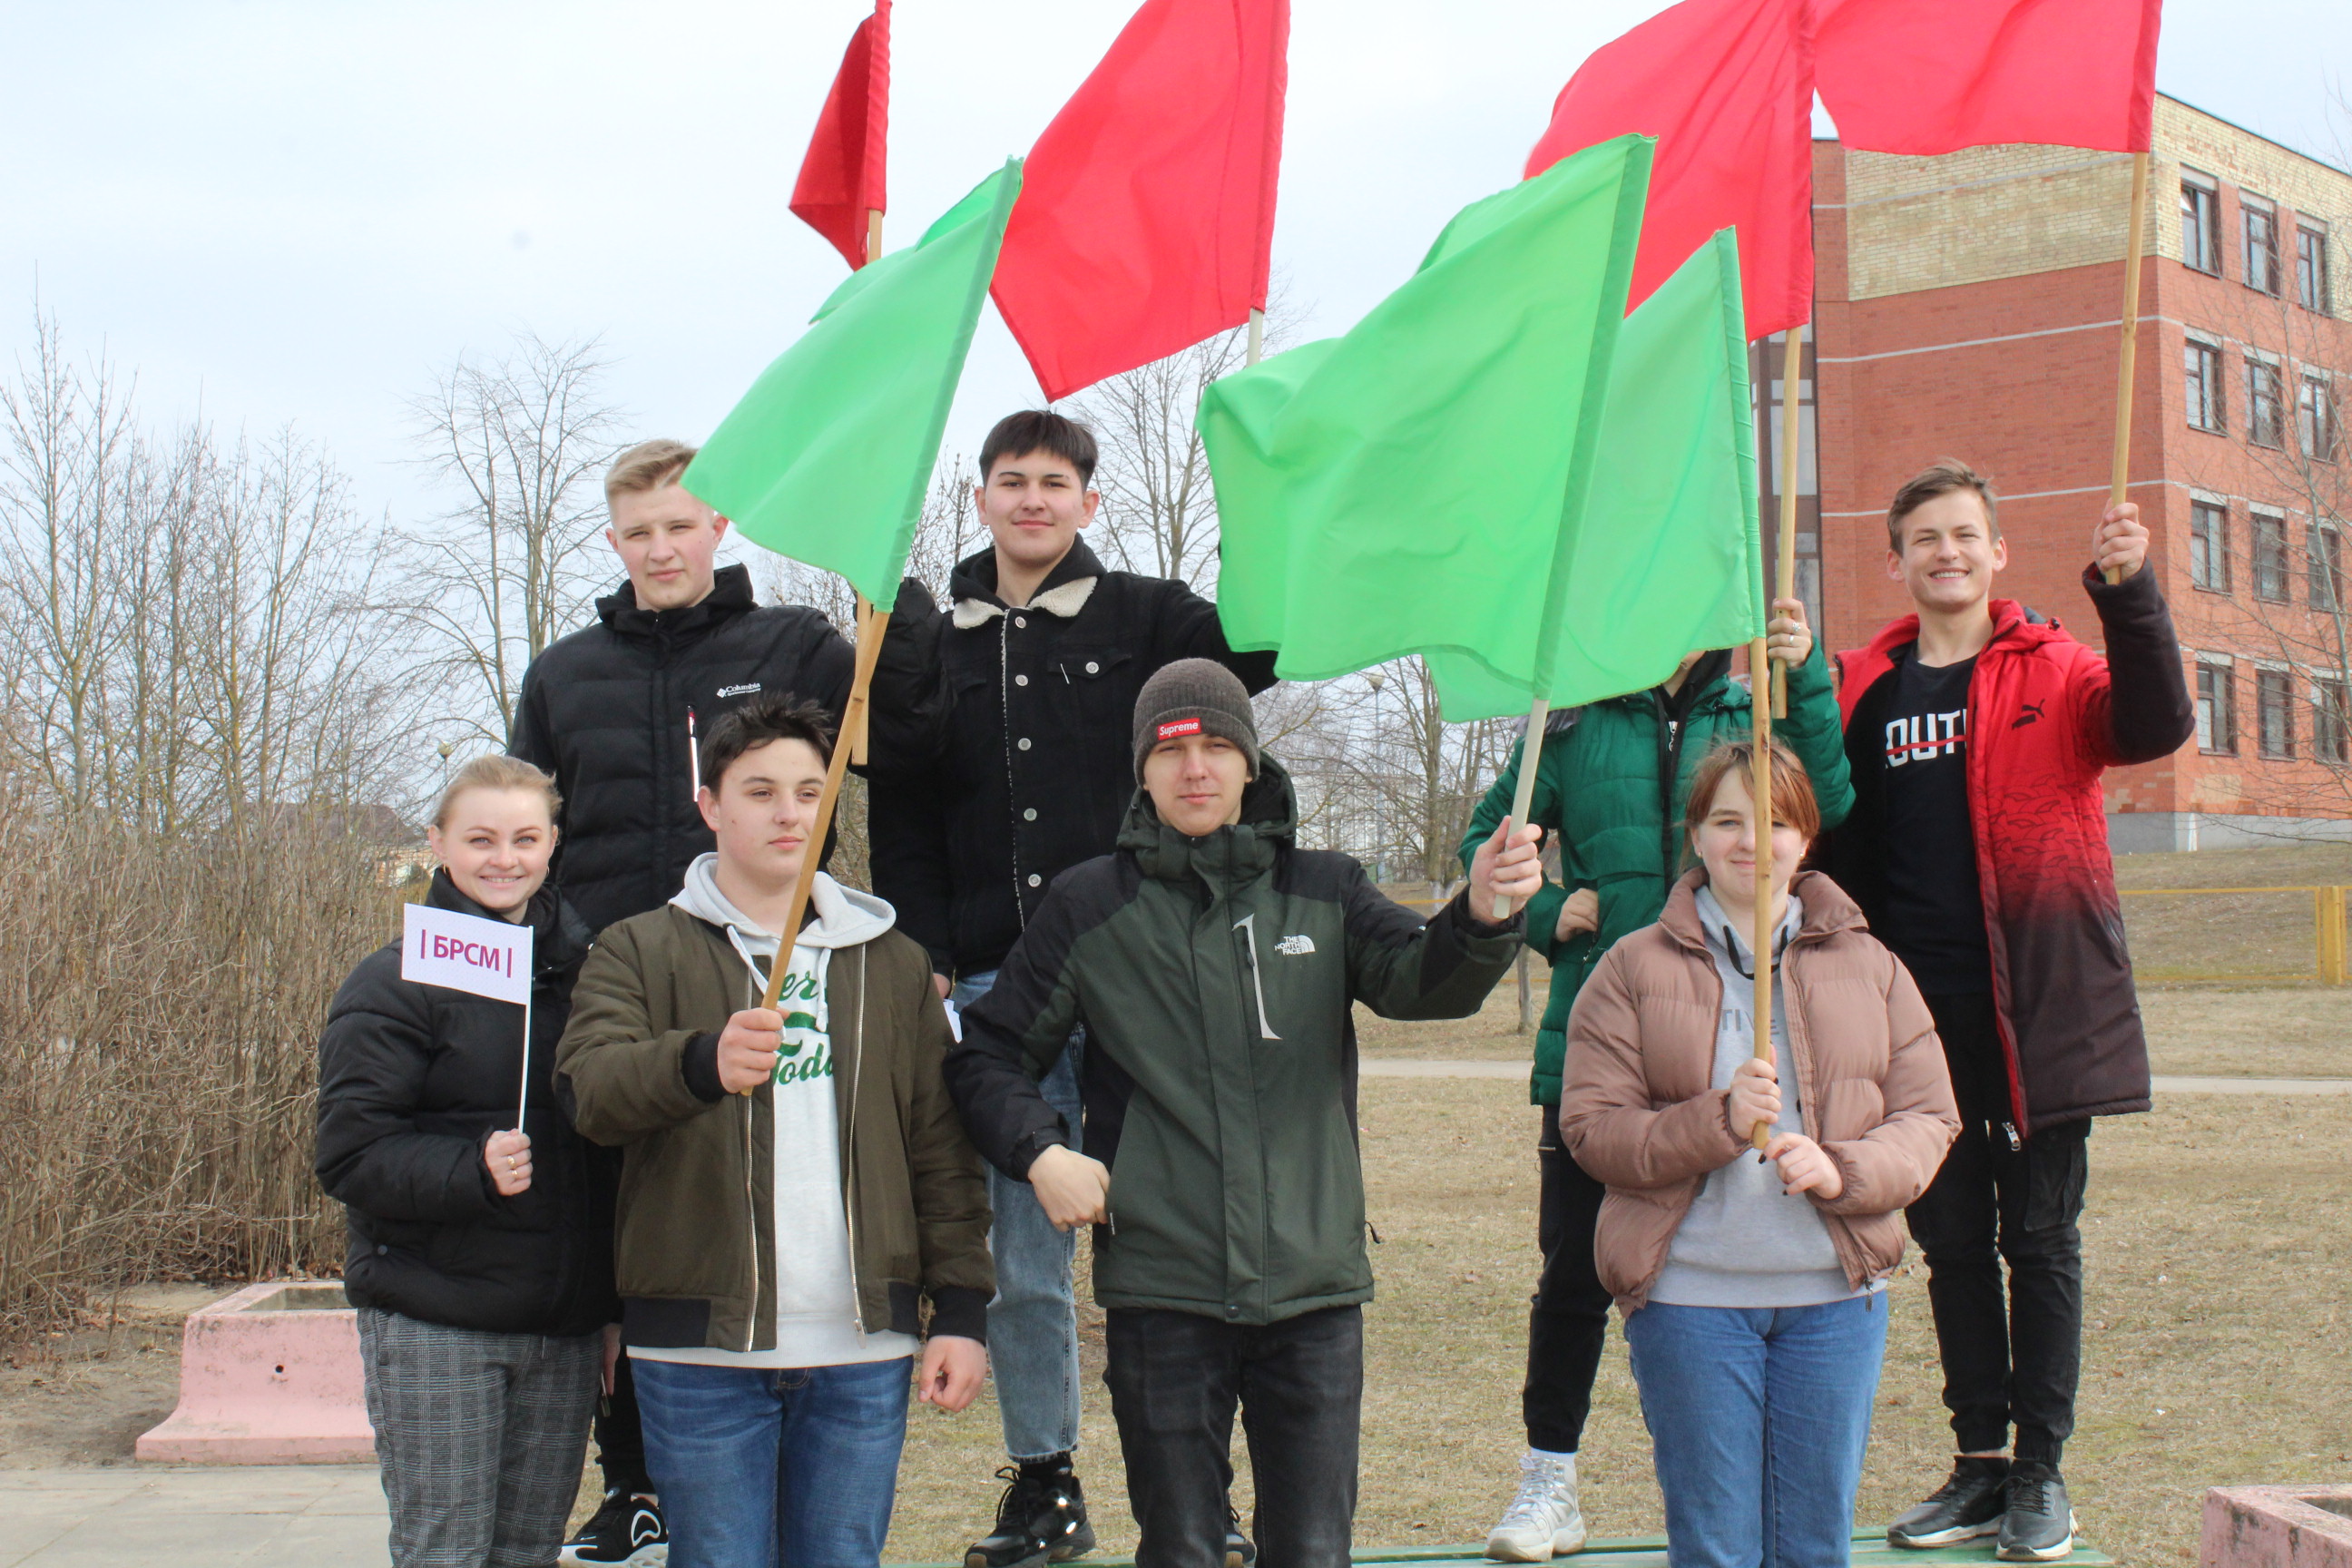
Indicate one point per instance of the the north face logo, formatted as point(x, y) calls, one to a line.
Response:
point(743, 691)
point(1293, 946)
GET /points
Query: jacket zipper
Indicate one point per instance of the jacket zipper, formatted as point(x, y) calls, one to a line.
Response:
point(751, 1197)
point(1005, 708)
point(1670, 754)
point(1247, 926)
point(849, 1154)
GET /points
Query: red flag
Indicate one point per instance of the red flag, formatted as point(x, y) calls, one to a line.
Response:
point(1727, 86)
point(1146, 217)
point(841, 177)
point(1935, 76)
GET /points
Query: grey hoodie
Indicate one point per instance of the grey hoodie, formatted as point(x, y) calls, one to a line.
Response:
point(816, 1304)
point(1747, 1242)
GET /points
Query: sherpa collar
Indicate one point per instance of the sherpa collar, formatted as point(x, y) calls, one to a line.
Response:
point(1064, 594)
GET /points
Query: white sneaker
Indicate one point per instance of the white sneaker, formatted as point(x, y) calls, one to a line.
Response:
point(1544, 1521)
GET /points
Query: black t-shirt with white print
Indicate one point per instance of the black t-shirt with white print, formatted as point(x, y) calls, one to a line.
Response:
point(1935, 918)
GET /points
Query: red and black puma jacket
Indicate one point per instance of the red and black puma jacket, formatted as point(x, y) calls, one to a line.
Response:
point(2046, 716)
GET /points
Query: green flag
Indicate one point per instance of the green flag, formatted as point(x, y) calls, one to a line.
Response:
point(1667, 558)
point(827, 457)
point(1412, 486)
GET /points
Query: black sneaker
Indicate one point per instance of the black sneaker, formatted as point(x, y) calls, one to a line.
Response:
point(1241, 1552)
point(1042, 1518)
point(625, 1529)
point(2040, 1524)
point(1968, 1505)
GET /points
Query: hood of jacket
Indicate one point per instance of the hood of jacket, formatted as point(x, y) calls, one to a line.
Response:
point(840, 917)
point(559, 937)
point(1825, 905)
point(1231, 856)
point(730, 595)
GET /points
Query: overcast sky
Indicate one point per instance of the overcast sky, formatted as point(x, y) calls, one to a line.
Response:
point(299, 211)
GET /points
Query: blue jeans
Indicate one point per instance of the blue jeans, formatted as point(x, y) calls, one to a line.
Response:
point(1032, 1324)
point(759, 1468)
point(1758, 1420)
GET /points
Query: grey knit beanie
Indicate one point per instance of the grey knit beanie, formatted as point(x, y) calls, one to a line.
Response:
point(1194, 697)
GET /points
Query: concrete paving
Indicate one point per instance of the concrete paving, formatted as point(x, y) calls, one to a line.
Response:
point(1403, 1067)
point(194, 1516)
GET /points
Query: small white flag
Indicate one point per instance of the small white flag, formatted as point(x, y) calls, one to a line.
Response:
point(466, 952)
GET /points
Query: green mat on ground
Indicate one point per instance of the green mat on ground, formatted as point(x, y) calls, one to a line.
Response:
point(1870, 1551)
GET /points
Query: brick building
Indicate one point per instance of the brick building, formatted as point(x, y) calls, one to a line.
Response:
point(1968, 305)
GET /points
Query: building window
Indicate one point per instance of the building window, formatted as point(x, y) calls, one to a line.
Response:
point(2314, 416)
point(2217, 711)
point(2331, 722)
point(2274, 712)
point(2263, 395)
point(2310, 267)
point(2270, 558)
point(2262, 245)
point(2200, 228)
point(2324, 545)
point(2200, 366)
point(2209, 546)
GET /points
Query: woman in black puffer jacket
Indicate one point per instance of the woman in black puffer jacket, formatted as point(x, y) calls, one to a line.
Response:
point(481, 1253)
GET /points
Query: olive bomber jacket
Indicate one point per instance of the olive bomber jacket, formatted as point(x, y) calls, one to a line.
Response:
point(694, 1248)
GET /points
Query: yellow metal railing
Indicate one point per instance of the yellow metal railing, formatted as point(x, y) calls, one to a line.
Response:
point(2328, 932)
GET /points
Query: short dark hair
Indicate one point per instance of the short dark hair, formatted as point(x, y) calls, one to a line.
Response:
point(769, 716)
point(1039, 431)
point(1938, 479)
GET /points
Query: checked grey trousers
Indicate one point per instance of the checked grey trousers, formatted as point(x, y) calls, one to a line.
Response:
point(480, 1438)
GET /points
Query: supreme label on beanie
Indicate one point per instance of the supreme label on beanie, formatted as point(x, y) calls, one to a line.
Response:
point(1175, 727)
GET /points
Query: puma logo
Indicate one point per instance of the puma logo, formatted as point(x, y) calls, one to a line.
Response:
point(2032, 712)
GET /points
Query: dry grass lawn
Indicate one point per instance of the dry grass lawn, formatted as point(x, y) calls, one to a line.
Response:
point(2199, 1369)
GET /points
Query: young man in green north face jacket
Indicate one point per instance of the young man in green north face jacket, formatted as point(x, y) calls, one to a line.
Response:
point(1609, 788)
point(1214, 964)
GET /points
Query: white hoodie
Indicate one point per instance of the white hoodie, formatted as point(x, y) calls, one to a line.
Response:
point(816, 1300)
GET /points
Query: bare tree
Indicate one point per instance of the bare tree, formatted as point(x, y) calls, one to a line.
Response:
point(183, 626)
point(513, 565)
point(1158, 513)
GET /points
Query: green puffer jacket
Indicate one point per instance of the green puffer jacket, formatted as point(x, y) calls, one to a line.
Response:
point(1600, 790)
point(1214, 977)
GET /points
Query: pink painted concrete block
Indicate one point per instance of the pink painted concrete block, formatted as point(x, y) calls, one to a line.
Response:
point(270, 1375)
point(2278, 1526)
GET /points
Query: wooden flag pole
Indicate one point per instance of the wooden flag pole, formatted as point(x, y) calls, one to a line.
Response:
point(2119, 466)
point(1523, 797)
point(1784, 572)
point(853, 720)
point(856, 737)
point(1760, 788)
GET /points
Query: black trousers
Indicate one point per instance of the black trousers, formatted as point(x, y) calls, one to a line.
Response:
point(2012, 1358)
point(1568, 1322)
point(621, 1435)
point(1175, 1379)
